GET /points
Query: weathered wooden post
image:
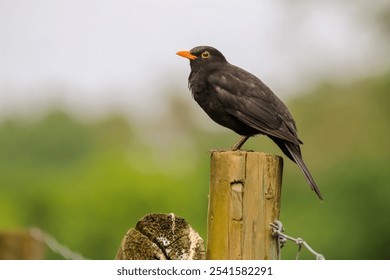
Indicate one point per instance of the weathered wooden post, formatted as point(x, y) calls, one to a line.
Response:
point(160, 236)
point(20, 245)
point(244, 198)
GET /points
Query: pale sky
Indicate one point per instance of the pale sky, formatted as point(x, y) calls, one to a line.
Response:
point(104, 54)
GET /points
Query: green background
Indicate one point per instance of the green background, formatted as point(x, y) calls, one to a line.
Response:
point(86, 182)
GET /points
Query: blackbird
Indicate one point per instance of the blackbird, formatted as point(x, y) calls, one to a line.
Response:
point(236, 99)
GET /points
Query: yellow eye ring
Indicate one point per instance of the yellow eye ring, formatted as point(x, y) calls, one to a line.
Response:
point(205, 54)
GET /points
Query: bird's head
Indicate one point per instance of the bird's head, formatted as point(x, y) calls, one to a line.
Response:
point(202, 56)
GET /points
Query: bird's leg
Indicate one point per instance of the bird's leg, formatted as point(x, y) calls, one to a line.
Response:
point(240, 142)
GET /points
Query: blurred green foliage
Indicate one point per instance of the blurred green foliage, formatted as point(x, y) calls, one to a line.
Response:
point(86, 183)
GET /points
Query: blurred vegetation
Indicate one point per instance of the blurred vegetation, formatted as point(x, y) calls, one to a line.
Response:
point(86, 183)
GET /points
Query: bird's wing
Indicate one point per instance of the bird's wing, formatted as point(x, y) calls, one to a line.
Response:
point(253, 103)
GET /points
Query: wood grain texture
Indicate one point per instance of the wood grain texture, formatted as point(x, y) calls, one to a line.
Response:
point(160, 236)
point(245, 190)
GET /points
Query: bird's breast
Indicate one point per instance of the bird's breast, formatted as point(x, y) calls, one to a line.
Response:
point(218, 112)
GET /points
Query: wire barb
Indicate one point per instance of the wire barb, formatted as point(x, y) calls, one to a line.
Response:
point(277, 231)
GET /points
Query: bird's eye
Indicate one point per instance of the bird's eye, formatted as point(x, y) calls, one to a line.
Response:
point(205, 54)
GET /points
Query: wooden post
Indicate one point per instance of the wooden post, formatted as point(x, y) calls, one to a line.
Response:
point(20, 245)
point(245, 190)
point(160, 236)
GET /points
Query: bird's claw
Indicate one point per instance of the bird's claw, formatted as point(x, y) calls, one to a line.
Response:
point(228, 150)
point(218, 150)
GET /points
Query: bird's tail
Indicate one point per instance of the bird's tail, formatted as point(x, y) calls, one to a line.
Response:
point(293, 151)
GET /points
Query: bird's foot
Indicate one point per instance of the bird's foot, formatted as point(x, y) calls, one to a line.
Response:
point(245, 150)
point(218, 150)
point(240, 142)
point(236, 147)
point(228, 150)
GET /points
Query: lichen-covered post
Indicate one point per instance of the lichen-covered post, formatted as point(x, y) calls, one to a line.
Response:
point(245, 190)
point(159, 236)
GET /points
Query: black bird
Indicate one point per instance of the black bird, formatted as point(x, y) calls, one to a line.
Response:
point(236, 99)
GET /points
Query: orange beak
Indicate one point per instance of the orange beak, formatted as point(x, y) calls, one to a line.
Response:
point(186, 54)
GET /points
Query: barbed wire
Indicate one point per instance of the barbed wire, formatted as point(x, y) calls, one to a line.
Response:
point(54, 245)
point(66, 253)
point(277, 230)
